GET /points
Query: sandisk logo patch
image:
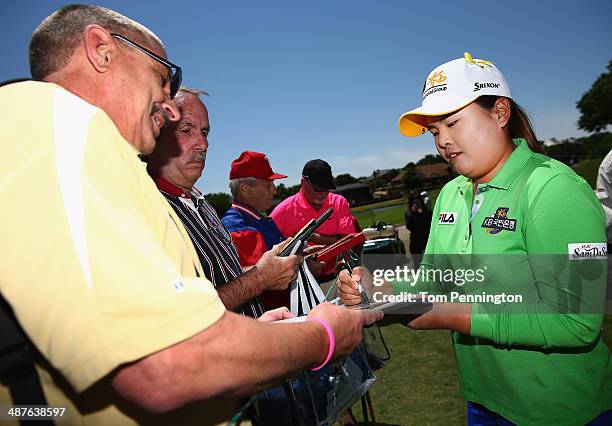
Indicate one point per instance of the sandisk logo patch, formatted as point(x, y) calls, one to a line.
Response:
point(587, 251)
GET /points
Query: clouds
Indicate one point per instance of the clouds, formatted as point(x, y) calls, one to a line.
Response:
point(364, 164)
point(557, 123)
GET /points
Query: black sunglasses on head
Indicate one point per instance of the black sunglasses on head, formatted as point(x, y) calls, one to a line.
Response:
point(316, 188)
point(177, 73)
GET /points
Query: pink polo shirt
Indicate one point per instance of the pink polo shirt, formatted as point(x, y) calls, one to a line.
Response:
point(294, 212)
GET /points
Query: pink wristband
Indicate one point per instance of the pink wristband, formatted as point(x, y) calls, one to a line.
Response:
point(332, 342)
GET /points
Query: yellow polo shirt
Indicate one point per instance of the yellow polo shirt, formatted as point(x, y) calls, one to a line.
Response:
point(96, 265)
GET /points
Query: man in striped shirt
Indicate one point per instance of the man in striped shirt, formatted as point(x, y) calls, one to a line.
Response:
point(176, 164)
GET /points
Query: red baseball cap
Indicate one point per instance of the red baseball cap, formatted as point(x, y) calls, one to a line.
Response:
point(253, 164)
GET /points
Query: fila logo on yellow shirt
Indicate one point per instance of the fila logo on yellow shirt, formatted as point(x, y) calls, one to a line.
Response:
point(447, 218)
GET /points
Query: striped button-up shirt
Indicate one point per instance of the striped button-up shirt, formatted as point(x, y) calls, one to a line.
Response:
point(210, 238)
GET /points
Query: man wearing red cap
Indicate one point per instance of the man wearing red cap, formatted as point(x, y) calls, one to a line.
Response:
point(253, 190)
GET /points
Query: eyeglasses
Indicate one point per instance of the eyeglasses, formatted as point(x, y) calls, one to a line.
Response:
point(177, 73)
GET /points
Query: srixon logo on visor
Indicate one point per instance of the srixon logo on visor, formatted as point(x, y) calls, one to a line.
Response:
point(479, 86)
point(587, 251)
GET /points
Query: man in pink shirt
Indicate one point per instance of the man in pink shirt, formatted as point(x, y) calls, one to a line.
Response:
point(312, 200)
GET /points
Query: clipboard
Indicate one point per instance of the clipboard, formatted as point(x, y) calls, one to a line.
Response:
point(397, 312)
point(303, 234)
point(329, 253)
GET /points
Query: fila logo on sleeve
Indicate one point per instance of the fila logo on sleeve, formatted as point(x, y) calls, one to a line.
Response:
point(447, 218)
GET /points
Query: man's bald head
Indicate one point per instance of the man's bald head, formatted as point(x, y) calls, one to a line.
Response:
point(76, 48)
point(57, 37)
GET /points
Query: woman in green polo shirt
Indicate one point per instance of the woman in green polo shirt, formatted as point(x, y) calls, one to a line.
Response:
point(524, 240)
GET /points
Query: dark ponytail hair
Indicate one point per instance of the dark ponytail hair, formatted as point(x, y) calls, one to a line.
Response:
point(519, 126)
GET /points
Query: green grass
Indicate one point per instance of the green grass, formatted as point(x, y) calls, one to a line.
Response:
point(380, 204)
point(420, 385)
point(394, 216)
point(433, 194)
point(588, 170)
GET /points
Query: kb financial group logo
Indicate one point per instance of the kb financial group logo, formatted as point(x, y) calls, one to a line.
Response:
point(499, 222)
point(436, 82)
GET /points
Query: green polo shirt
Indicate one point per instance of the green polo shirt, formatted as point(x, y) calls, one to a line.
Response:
point(537, 231)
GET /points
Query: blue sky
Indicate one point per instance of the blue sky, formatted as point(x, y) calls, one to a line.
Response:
point(328, 79)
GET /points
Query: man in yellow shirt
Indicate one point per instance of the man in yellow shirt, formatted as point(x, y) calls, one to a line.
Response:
point(97, 267)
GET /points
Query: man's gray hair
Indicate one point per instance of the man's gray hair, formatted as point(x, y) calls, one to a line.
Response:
point(191, 91)
point(234, 184)
point(54, 41)
point(185, 91)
